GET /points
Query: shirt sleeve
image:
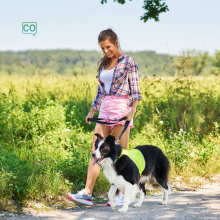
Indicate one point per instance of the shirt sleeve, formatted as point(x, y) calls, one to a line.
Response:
point(133, 81)
point(96, 104)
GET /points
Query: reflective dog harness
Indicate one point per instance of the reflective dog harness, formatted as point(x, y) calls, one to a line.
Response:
point(136, 156)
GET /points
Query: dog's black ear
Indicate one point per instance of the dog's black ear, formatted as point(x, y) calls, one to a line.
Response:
point(110, 140)
point(99, 137)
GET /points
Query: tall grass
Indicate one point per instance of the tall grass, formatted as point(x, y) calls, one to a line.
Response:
point(45, 143)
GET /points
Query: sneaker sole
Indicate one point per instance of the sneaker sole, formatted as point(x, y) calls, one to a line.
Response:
point(108, 204)
point(81, 201)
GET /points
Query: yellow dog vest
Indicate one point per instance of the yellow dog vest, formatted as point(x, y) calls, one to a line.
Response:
point(136, 156)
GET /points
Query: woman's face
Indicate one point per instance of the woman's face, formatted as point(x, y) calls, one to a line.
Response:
point(109, 48)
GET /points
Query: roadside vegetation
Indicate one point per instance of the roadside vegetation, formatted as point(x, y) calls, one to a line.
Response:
point(45, 143)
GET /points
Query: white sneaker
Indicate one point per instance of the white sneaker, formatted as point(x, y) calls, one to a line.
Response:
point(119, 200)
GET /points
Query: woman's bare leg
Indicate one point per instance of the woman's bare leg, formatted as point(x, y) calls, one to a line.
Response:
point(125, 137)
point(93, 170)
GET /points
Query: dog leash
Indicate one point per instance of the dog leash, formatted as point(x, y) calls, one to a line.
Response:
point(99, 120)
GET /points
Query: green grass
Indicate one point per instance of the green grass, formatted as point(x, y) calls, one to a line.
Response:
point(40, 157)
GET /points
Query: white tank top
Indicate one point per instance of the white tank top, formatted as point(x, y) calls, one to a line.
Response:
point(106, 77)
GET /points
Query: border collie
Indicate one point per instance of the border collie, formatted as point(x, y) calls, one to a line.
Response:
point(124, 174)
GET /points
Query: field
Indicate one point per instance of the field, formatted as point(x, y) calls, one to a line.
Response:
point(45, 143)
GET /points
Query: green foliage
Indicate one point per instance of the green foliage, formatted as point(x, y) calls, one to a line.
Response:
point(45, 143)
point(85, 63)
point(152, 7)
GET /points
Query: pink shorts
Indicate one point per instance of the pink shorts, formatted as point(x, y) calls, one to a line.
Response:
point(114, 107)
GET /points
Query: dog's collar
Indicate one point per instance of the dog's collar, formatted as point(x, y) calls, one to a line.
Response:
point(118, 157)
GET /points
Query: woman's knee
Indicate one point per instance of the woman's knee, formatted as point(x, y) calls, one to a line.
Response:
point(103, 131)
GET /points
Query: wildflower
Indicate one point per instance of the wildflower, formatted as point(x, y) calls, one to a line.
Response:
point(74, 126)
point(177, 151)
point(20, 137)
point(161, 122)
point(44, 161)
point(39, 160)
point(46, 177)
point(175, 133)
point(181, 129)
point(190, 143)
point(68, 130)
point(198, 130)
point(38, 164)
point(170, 129)
point(192, 154)
point(82, 126)
point(170, 136)
point(72, 112)
point(37, 108)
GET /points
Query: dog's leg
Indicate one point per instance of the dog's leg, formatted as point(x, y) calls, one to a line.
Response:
point(165, 195)
point(129, 196)
point(141, 199)
point(111, 196)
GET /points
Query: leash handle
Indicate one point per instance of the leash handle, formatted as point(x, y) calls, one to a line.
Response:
point(98, 120)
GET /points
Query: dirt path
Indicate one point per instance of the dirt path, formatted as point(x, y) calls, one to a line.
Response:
point(203, 203)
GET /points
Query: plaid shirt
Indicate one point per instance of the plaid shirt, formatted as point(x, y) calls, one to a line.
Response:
point(124, 83)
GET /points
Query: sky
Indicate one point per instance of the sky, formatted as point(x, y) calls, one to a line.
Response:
point(76, 24)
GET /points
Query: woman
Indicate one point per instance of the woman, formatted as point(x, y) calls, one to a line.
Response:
point(117, 80)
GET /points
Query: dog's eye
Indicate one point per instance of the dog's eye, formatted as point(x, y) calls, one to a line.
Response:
point(105, 149)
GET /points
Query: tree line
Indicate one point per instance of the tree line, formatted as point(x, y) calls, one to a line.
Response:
point(73, 62)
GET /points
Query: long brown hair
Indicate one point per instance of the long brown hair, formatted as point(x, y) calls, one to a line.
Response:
point(110, 35)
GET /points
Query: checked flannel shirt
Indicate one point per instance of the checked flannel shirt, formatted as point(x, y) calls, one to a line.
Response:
point(124, 83)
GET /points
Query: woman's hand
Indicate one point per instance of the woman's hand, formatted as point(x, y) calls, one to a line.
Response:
point(130, 114)
point(90, 115)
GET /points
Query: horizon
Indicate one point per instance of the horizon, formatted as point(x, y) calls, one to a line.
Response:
point(125, 51)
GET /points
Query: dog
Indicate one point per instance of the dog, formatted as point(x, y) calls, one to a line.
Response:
point(123, 173)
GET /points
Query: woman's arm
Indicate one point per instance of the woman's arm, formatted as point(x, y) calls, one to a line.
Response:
point(134, 88)
point(133, 81)
point(95, 105)
point(130, 114)
point(90, 115)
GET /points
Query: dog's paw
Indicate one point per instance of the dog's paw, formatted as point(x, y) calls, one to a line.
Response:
point(164, 203)
point(113, 207)
point(123, 210)
point(137, 205)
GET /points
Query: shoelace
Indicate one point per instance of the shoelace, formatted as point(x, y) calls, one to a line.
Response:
point(81, 191)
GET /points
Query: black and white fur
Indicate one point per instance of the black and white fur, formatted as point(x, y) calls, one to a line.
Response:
point(124, 174)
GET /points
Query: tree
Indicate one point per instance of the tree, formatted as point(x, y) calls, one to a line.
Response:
point(153, 8)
